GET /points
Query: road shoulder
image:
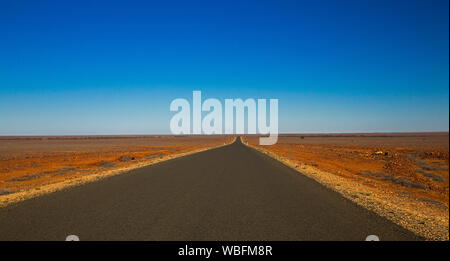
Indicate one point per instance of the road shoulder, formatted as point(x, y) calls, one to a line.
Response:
point(420, 219)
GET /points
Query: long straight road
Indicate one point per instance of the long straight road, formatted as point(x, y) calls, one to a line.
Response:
point(228, 193)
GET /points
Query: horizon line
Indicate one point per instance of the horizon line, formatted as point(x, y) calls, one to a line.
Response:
point(223, 134)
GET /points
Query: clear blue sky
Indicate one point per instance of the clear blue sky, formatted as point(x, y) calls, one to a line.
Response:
point(114, 67)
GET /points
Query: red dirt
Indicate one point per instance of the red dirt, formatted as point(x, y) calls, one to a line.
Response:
point(30, 162)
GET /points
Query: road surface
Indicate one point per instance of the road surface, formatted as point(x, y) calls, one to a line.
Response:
point(228, 193)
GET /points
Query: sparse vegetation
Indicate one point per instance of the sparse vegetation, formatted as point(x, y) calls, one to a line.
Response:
point(399, 176)
point(28, 163)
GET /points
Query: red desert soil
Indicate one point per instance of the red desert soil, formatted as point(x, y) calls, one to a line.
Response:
point(403, 176)
point(29, 163)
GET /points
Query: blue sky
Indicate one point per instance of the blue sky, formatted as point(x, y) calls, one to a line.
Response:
point(94, 67)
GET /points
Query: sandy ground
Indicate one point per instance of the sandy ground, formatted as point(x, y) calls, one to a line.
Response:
point(30, 166)
point(403, 176)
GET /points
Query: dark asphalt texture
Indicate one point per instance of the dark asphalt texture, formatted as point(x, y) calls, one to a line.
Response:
point(228, 193)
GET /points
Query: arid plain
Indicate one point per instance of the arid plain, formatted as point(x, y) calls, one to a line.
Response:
point(401, 176)
point(31, 166)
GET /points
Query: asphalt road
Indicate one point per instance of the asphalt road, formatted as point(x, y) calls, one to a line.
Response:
point(228, 193)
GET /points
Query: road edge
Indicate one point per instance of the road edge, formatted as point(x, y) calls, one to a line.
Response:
point(13, 198)
point(381, 207)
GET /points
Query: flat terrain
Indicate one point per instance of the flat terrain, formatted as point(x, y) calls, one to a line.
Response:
point(29, 163)
point(403, 176)
point(228, 193)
